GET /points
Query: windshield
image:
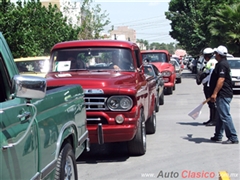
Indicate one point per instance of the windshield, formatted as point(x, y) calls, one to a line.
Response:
point(155, 57)
point(148, 70)
point(92, 59)
point(234, 64)
point(33, 66)
point(175, 63)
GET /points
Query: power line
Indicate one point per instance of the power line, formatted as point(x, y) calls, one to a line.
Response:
point(137, 20)
point(141, 25)
point(146, 26)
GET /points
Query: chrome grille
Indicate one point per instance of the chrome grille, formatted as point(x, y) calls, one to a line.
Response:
point(95, 103)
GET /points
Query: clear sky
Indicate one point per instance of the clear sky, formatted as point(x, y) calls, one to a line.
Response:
point(145, 16)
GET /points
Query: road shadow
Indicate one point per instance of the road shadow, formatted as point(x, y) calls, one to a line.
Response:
point(188, 74)
point(198, 140)
point(108, 152)
point(191, 123)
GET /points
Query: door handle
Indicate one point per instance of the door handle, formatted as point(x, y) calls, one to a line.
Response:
point(24, 117)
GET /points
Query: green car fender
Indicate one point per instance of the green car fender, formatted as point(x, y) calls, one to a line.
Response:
point(68, 133)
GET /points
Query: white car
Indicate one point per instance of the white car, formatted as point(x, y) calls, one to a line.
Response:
point(234, 63)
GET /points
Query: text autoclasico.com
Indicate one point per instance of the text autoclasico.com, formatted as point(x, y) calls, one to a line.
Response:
point(189, 174)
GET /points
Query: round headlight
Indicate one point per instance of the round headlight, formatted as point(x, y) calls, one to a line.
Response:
point(125, 103)
point(166, 73)
point(113, 103)
point(119, 103)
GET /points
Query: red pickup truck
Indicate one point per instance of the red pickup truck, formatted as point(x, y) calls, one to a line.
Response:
point(120, 102)
point(161, 59)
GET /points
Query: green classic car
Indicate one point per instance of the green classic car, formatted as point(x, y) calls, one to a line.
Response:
point(42, 131)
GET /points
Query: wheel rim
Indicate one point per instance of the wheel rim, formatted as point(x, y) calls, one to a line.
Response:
point(144, 133)
point(69, 169)
point(154, 120)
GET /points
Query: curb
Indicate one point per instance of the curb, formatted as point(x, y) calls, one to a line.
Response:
point(223, 175)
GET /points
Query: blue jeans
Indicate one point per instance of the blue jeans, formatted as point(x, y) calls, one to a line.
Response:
point(224, 120)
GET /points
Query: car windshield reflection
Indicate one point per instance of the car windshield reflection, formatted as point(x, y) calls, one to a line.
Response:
point(92, 59)
point(155, 57)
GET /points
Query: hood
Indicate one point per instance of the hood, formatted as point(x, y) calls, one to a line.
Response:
point(235, 72)
point(163, 66)
point(91, 79)
point(40, 74)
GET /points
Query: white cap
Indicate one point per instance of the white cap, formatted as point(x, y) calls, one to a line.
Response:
point(208, 51)
point(222, 50)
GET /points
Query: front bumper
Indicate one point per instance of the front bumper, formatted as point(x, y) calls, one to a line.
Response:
point(235, 85)
point(105, 129)
point(168, 84)
point(102, 133)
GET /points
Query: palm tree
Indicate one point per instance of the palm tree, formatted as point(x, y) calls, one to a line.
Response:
point(225, 28)
point(141, 43)
point(145, 42)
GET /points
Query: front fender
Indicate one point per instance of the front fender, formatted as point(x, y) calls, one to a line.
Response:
point(68, 130)
point(142, 99)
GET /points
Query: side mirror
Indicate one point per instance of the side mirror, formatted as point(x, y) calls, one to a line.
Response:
point(29, 87)
point(160, 74)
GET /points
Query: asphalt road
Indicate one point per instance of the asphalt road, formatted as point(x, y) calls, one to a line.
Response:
point(180, 148)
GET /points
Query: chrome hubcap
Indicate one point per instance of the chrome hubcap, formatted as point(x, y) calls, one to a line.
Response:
point(69, 174)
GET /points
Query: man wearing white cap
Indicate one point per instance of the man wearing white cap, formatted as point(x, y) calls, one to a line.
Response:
point(203, 77)
point(222, 93)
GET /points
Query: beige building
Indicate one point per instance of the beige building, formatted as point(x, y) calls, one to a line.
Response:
point(70, 8)
point(47, 2)
point(123, 33)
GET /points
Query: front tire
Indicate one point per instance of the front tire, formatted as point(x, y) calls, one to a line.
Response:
point(174, 87)
point(179, 80)
point(66, 164)
point(157, 104)
point(161, 99)
point(137, 146)
point(169, 90)
point(151, 124)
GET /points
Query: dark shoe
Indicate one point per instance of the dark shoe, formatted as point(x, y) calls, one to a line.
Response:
point(229, 142)
point(211, 124)
point(204, 123)
point(215, 139)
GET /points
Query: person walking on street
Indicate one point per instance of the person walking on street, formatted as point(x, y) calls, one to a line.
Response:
point(222, 93)
point(204, 78)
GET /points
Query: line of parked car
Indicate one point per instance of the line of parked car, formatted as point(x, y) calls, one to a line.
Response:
point(99, 100)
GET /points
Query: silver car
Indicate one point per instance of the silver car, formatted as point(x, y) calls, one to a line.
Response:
point(234, 64)
point(178, 70)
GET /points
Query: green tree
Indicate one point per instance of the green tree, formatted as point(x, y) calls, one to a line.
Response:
point(32, 29)
point(184, 15)
point(190, 21)
point(92, 21)
point(157, 46)
point(225, 28)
